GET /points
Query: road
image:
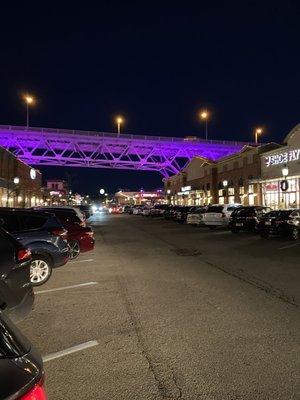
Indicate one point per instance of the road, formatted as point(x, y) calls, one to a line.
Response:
point(166, 311)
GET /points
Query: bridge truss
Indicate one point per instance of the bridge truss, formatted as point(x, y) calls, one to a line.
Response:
point(70, 148)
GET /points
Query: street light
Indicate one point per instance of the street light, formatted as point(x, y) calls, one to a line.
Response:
point(119, 121)
point(258, 131)
point(16, 180)
point(204, 116)
point(28, 100)
point(168, 191)
point(225, 183)
point(102, 191)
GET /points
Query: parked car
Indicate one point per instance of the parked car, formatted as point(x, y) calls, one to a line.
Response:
point(127, 209)
point(137, 210)
point(181, 214)
point(86, 210)
point(247, 218)
point(43, 235)
point(280, 222)
point(195, 216)
point(218, 215)
point(146, 211)
point(80, 237)
point(115, 209)
point(158, 210)
point(21, 366)
point(170, 211)
point(15, 287)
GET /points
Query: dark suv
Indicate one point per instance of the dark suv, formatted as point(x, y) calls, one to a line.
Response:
point(21, 365)
point(15, 288)
point(247, 218)
point(282, 223)
point(43, 234)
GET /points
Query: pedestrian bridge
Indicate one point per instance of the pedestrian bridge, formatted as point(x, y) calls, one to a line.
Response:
point(72, 148)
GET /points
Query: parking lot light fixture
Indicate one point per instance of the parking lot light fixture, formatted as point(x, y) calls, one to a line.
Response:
point(101, 191)
point(16, 180)
point(29, 100)
point(168, 191)
point(225, 183)
point(258, 131)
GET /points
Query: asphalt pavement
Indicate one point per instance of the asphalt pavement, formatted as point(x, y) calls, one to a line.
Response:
point(166, 311)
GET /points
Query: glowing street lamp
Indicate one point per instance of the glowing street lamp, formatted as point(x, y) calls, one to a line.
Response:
point(29, 100)
point(258, 131)
point(204, 116)
point(16, 180)
point(285, 171)
point(119, 121)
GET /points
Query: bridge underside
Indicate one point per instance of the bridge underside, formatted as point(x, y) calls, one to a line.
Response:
point(168, 156)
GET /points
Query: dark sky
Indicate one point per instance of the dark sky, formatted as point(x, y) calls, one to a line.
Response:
point(155, 62)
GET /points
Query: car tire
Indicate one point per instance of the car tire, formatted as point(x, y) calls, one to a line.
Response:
point(235, 230)
point(74, 249)
point(264, 235)
point(295, 234)
point(40, 270)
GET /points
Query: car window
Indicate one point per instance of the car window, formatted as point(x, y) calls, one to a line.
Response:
point(30, 222)
point(215, 209)
point(11, 222)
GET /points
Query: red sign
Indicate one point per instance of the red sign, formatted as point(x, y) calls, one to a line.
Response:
point(271, 187)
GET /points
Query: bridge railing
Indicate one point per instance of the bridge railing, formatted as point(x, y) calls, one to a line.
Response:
point(121, 136)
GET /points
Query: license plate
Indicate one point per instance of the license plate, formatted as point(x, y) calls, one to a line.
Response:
point(239, 224)
point(267, 223)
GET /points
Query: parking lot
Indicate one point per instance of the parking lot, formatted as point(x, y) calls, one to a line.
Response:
point(161, 310)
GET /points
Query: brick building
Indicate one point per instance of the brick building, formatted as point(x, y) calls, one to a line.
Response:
point(232, 179)
point(20, 184)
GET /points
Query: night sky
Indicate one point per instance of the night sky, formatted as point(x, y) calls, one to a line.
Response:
point(156, 63)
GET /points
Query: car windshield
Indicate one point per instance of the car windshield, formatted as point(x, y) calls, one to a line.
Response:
point(215, 209)
point(279, 214)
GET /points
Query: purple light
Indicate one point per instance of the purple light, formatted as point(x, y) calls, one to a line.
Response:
point(44, 146)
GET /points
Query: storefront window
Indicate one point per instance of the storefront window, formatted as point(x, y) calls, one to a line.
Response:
point(251, 188)
point(241, 190)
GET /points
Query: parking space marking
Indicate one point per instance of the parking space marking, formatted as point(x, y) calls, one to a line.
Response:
point(66, 287)
point(70, 350)
point(289, 246)
point(80, 261)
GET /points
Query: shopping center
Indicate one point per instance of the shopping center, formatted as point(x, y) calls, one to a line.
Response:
point(280, 174)
point(268, 174)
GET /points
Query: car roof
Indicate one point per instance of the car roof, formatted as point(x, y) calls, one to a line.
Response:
point(25, 211)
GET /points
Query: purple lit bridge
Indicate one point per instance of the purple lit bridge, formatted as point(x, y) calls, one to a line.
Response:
point(70, 148)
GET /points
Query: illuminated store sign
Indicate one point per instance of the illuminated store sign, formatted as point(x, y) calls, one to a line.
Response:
point(283, 158)
point(186, 188)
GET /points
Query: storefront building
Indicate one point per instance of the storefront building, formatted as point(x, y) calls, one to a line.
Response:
point(232, 179)
point(280, 169)
point(20, 184)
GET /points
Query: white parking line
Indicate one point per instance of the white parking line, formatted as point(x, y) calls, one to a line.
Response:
point(66, 287)
point(80, 261)
point(70, 350)
point(289, 246)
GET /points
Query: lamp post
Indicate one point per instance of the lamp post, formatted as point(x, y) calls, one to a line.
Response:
point(119, 121)
point(225, 184)
point(28, 100)
point(204, 116)
point(258, 131)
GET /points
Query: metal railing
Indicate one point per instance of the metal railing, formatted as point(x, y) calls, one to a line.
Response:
point(121, 136)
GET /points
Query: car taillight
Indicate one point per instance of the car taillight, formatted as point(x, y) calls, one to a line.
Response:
point(23, 255)
point(60, 232)
point(36, 393)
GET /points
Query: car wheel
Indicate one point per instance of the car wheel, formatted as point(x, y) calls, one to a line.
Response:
point(235, 230)
point(264, 235)
point(295, 234)
point(40, 270)
point(74, 249)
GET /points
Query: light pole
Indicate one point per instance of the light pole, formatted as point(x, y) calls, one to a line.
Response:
point(258, 131)
point(204, 117)
point(28, 100)
point(119, 121)
point(225, 184)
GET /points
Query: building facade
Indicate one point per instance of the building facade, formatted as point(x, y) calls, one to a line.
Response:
point(232, 179)
point(20, 184)
point(278, 166)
